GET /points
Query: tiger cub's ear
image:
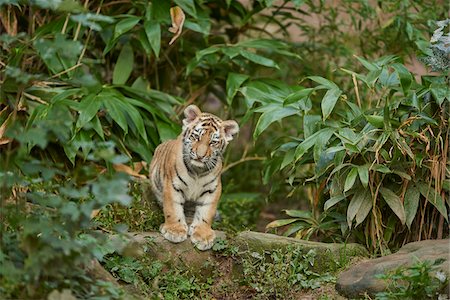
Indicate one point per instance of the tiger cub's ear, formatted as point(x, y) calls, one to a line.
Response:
point(230, 127)
point(191, 113)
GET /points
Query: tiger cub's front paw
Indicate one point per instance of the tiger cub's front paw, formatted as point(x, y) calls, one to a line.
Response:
point(203, 237)
point(175, 233)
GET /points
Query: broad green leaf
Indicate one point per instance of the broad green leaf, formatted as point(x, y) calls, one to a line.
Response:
point(114, 110)
point(153, 33)
point(363, 172)
point(350, 180)
point(325, 82)
point(303, 214)
point(234, 82)
point(122, 27)
point(375, 121)
point(125, 25)
point(258, 59)
point(188, 6)
point(293, 228)
point(279, 223)
point(97, 125)
point(381, 168)
point(87, 109)
point(262, 44)
point(354, 206)
point(321, 141)
point(311, 124)
point(434, 198)
point(333, 201)
point(440, 92)
point(304, 146)
point(364, 209)
point(405, 77)
point(298, 96)
point(271, 116)
point(124, 65)
point(368, 65)
point(329, 101)
point(411, 202)
point(394, 203)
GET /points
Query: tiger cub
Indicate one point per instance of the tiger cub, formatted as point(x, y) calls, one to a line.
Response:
point(186, 172)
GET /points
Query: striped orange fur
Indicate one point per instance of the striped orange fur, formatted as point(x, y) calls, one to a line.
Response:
point(186, 172)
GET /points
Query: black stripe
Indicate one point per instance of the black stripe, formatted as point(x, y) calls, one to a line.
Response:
point(179, 177)
point(215, 178)
point(179, 191)
point(208, 191)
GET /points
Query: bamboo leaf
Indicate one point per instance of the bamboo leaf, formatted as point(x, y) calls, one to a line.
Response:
point(279, 223)
point(434, 198)
point(364, 209)
point(411, 202)
point(394, 203)
point(153, 33)
point(363, 172)
point(124, 65)
point(329, 101)
point(350, 180)
point(234, 82)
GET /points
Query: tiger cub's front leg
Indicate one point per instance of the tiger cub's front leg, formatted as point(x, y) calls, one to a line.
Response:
point(202, 236)
point(174, 228)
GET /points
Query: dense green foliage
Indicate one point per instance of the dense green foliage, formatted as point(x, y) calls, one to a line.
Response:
point(90, 88)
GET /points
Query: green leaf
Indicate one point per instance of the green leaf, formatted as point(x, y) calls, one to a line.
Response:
point(188, 6)
point(324, 82)
point(364, 209)
point(405, 77)
point(363, 172)
point(329, 101)
point(304, 146)
point(333, 201)
point(321, 141)
point(354, 206)
point(411, 202)
point(434, 198)
point(258, 59)
point(297, 96)
point(279, 223)
point(302, 214)
point(124, 65)
point(121, 28)
point(375, 121)
point(234, 82)
point(125, 25)
point(394, 203)
point(350, 180)
point(153, 33)
point(271, 116)
point(114, 110)
point(88, 108)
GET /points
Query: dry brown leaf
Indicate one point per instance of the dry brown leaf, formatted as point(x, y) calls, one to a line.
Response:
point(94, 213)
point(128, 170)
point(5, 140)
point(178, 17)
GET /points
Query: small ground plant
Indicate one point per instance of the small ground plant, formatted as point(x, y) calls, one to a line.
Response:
point(419, 281)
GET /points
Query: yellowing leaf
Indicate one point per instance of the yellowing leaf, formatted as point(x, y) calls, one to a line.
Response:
point(178, 17)
point(126, 169)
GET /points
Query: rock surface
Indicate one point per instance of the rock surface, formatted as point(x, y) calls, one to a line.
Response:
point(361, 279)
point(185, 254)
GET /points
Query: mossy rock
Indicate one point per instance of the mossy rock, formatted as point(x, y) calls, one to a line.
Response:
point(329, 256)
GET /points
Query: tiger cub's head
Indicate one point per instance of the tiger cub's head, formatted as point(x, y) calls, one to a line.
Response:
point(205, 137)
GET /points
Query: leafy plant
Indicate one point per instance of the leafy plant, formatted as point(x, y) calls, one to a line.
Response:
point(374, 157)
point(418, 281)
point(286, 270)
